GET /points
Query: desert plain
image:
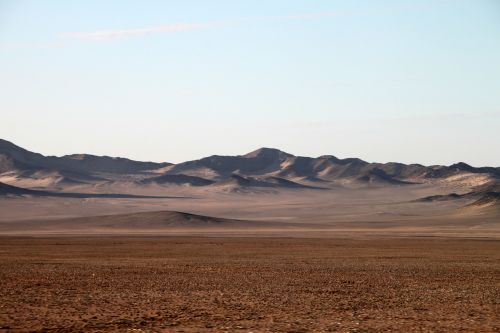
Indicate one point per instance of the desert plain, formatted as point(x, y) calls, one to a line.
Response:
point(262, 242)
point(250, 284)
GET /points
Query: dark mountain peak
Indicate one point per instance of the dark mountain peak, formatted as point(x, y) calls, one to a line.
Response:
point(267, 153)
point(353, 160)
point(8, 147)
point(336, 160)
point(462, 166)
point(79, 157)
point(328, 157)
point(260, 161)
point(7, 144)
point(95, 158)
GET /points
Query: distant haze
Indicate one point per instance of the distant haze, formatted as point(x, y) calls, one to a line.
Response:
point(406, 81)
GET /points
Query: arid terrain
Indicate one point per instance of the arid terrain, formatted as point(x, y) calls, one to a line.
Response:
point(265, 241)
point(185, 284)
point(266, 192)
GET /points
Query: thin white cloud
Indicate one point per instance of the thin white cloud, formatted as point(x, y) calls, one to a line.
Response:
point(127, 33)
point(18, 46)
point(105, 35)
point(109, 35)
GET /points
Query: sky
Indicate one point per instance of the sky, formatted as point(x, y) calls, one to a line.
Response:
point(406, 81)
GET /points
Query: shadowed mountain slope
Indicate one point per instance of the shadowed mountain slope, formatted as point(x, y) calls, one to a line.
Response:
point(6, 190)
point(237, 181)
point(485, 195)
point(178, 179)
point(379, 176)
point(488, 199)
point(13, 157)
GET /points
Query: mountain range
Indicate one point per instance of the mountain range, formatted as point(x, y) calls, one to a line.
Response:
point(262, 168)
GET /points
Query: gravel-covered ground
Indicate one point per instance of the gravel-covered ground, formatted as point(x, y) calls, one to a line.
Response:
point(175, 284)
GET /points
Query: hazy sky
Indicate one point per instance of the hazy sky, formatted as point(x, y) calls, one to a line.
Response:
point(409, 81)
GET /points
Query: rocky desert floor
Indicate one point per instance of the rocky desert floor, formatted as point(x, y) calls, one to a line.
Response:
point(202, 284)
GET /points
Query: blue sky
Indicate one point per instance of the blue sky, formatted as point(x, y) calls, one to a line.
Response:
point(408, 81)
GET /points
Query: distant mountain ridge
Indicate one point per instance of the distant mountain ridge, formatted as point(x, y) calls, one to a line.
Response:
point(264, 167)
point(269, 161)
point(13, 157)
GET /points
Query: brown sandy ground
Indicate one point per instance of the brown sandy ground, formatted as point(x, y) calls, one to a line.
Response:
point(186, 284)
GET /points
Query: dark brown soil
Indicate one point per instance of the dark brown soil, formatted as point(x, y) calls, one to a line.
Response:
point(249, 285)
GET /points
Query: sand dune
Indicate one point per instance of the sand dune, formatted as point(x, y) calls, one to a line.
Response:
point(146, 222)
